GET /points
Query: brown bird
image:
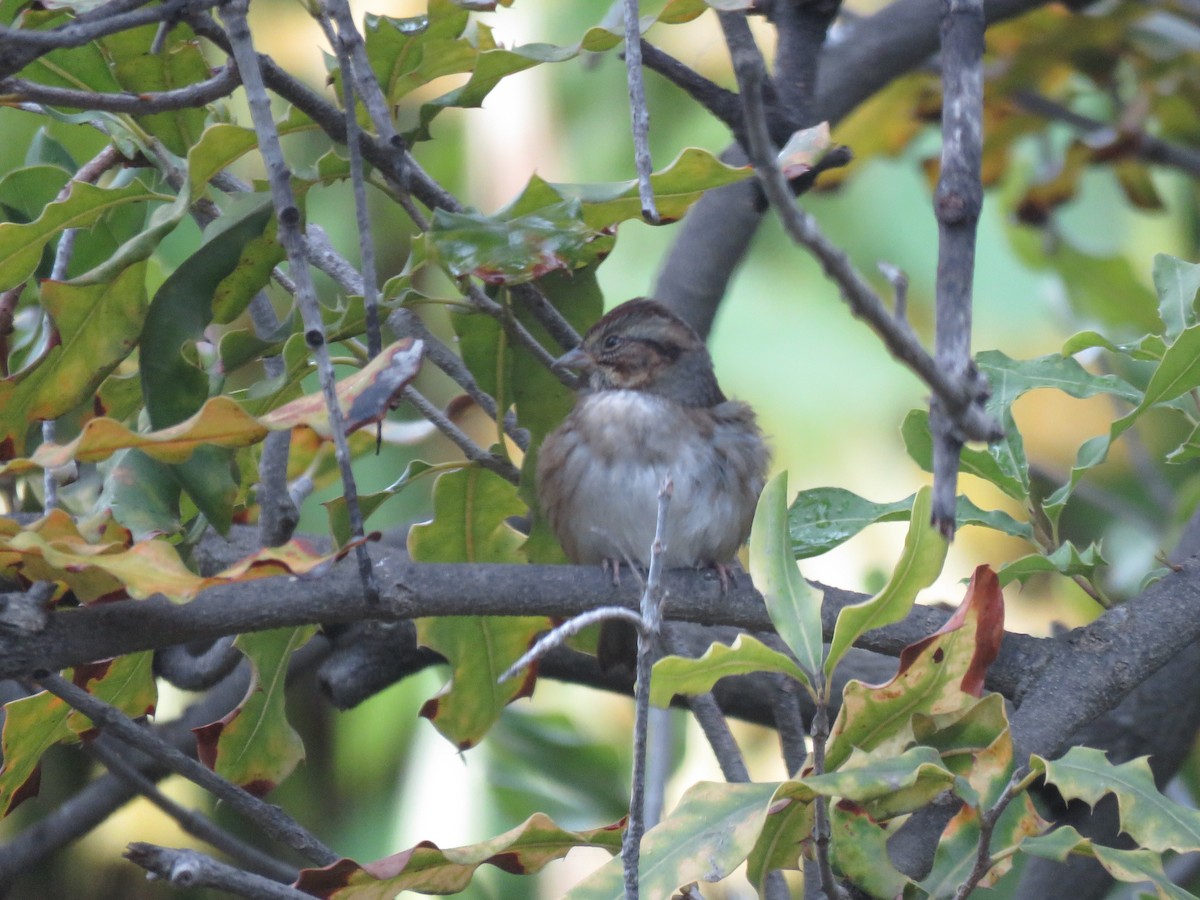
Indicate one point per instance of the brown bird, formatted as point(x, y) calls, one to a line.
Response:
point(651, 406)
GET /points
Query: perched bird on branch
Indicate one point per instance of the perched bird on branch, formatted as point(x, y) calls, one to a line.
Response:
point(650, 407)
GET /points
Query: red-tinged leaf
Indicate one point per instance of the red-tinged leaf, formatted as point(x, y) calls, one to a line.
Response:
point(364, 397)
point(32, 725)
point(984, 601)
point(254, 746)
point(934, 678)
point(97, 326)
point(425, 868)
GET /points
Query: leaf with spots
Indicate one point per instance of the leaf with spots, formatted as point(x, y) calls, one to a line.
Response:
point(939, 674)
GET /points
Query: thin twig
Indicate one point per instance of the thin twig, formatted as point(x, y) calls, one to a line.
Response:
point(406, 323)
point(723, 104)
point(638, 110)
point(1145, 146)
point(21, 46)
point(277, 824)
point(461, 439)
point(288, 216)
point(189, 820)
point(962, 400)
point(559, 635)
point(222, 84)
point(957, 203)
point(343, 41)
point(1020, 780)
point(649, 640)
point(191, 869)
point(821, 832)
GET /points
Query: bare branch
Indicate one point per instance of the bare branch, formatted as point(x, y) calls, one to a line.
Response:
point(189, 820)
point(649, 644)
point(271, 819)
point(957, 203)
point(638, 110)
point(960, 399)
point(461, 439)
point(288, 216)
point(222, 84)
point(191, 869)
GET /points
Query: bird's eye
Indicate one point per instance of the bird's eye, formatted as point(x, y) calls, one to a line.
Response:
point(612, 342)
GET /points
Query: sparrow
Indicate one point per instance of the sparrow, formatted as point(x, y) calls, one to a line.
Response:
point(650, 406)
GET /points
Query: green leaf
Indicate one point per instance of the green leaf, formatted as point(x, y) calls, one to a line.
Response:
point(1177, 373)
point(34, 724)
point(254, 746)
point(173, 387)
point(1010, 378)
point(97, 327)
point(339, 515)
point(682, 675)
point(1066, 560)
point(780, 843)
point(218, 148)
point(793, 604)
point(986, 771)
point(142, 494)
point(21, 245)
point(1177, 283)
point(1130, 866)
point(822, 518)
point(891, 784)
point(676, 188)
point(514, 250)
point(919, 564)
point(859, 851)
point(140, 71)
point(471, 507)
point(1153, 821)
point(999, 470)
point(708, 835)
point(427, 869)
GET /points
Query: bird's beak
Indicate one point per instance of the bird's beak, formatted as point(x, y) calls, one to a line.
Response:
point(578, 359)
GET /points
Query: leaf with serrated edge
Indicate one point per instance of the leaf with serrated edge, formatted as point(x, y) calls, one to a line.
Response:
point(708, 835)
point(471, 508)
point(1152, 820)
point(254, 746)
point(793, 604)
point(919, 564)
point(364, 396)
point(425, 868)
point(34, 724)
point(683, 675)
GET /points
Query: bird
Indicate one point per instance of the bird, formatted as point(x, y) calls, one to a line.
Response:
point(649, 407)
